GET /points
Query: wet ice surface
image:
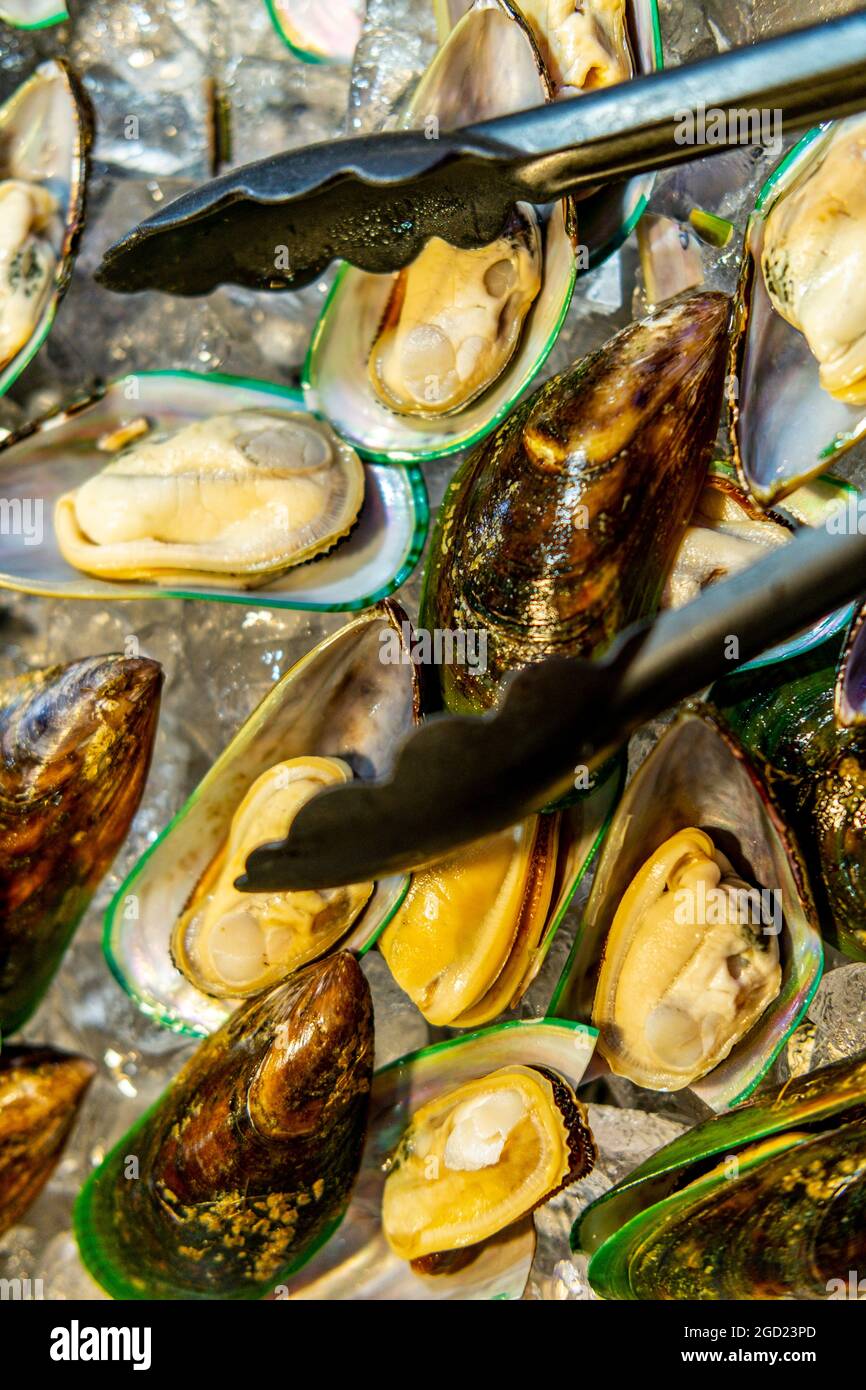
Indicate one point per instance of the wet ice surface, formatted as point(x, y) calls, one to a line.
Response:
point(169, 65)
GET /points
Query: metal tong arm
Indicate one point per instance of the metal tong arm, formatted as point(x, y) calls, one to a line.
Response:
point(457, 779)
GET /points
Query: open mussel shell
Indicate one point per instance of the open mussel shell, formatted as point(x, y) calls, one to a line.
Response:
point(729, 531)
point(357, 1262)
point(698, 775)
point(41, 1091)
point(244, 1165)
point(319, 31)
point(33, 14)
point(850, 692)
point(50, 458)
point(765, 1202)
point(516, 951)
point(45, 136)
point(75, 750)
point(784, 426)
point(455, 90)
point(341, 700)
point(609, 214)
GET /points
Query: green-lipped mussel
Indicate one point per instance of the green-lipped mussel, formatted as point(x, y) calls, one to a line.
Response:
point(317, 32)
point(423, 362)
point(76, 744)
point(41, 1090)
point(798, 361)
point(192, 486)
point(765, 1202)
point(803, 718)
point(474, 929)
point(559, 530)
point(245, 1164)
point(33, 14)
point(518, 1076)
point(45, 134)
point(179, 936)
point(699, 950)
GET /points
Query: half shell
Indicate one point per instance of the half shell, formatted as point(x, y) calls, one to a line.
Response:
point(766, 1202)
point(41, 1091)
point(318, 32)
point(58, 455)
point(784, 426)
point(45, 135)
point(340, 701)
point(357, 1262)
point(33, 14)
point(489, 66)
point(697, 776)
point(474, 931)
point(729, 532)
point(75, 748)
point(247, 1161)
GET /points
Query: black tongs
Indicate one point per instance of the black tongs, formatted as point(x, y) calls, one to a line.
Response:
point(458, 778)
point(375, 201)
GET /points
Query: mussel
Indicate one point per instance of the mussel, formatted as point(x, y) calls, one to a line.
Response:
point(245, 1164)
point(474, 929)
point(584, 43)
point(795, 391)
point(699, 950)
point(45, 134)
point(805, 719)
point(560, 529)
point(237, 499)
point(501, 1098)
point(151, 525)
point(33, 14)
point(41, 1090)
point(766, 1202)
point(180, 938)
point(317, 32)
point(76, 743)
point(480, 1157)
point(424, 362)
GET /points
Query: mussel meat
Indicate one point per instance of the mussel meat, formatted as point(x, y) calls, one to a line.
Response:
point(27, 261)
point(476, 1159)
point(766, 1202)
point(233, 944)
point(248, 1160)
point(76, 743)
point(241, 497)
point(41, 1090)
point(584, 43)
point(454, 320)
point(559, 529)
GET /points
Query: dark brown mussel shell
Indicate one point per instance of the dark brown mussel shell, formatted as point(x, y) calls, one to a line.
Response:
point(559, 529)
point(75, 748)
point(804, 717)
point(41, 1090)
point(765, 1202)
point(245, 1165)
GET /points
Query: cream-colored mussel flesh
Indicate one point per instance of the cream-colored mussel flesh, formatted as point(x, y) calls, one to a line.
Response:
point(27, 261)
point(477, 1158)
point(689, 966)
point(233, 944)
point(814, 261)
point(454, 320)
point(236, 499)
point(584, 43)
point(462, 941)
point(726, 534)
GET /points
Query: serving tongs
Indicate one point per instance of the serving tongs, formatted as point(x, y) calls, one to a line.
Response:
point(458, 778)
point(376, 200)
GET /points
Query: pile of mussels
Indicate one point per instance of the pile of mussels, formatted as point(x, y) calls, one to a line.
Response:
point(278, 1159)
